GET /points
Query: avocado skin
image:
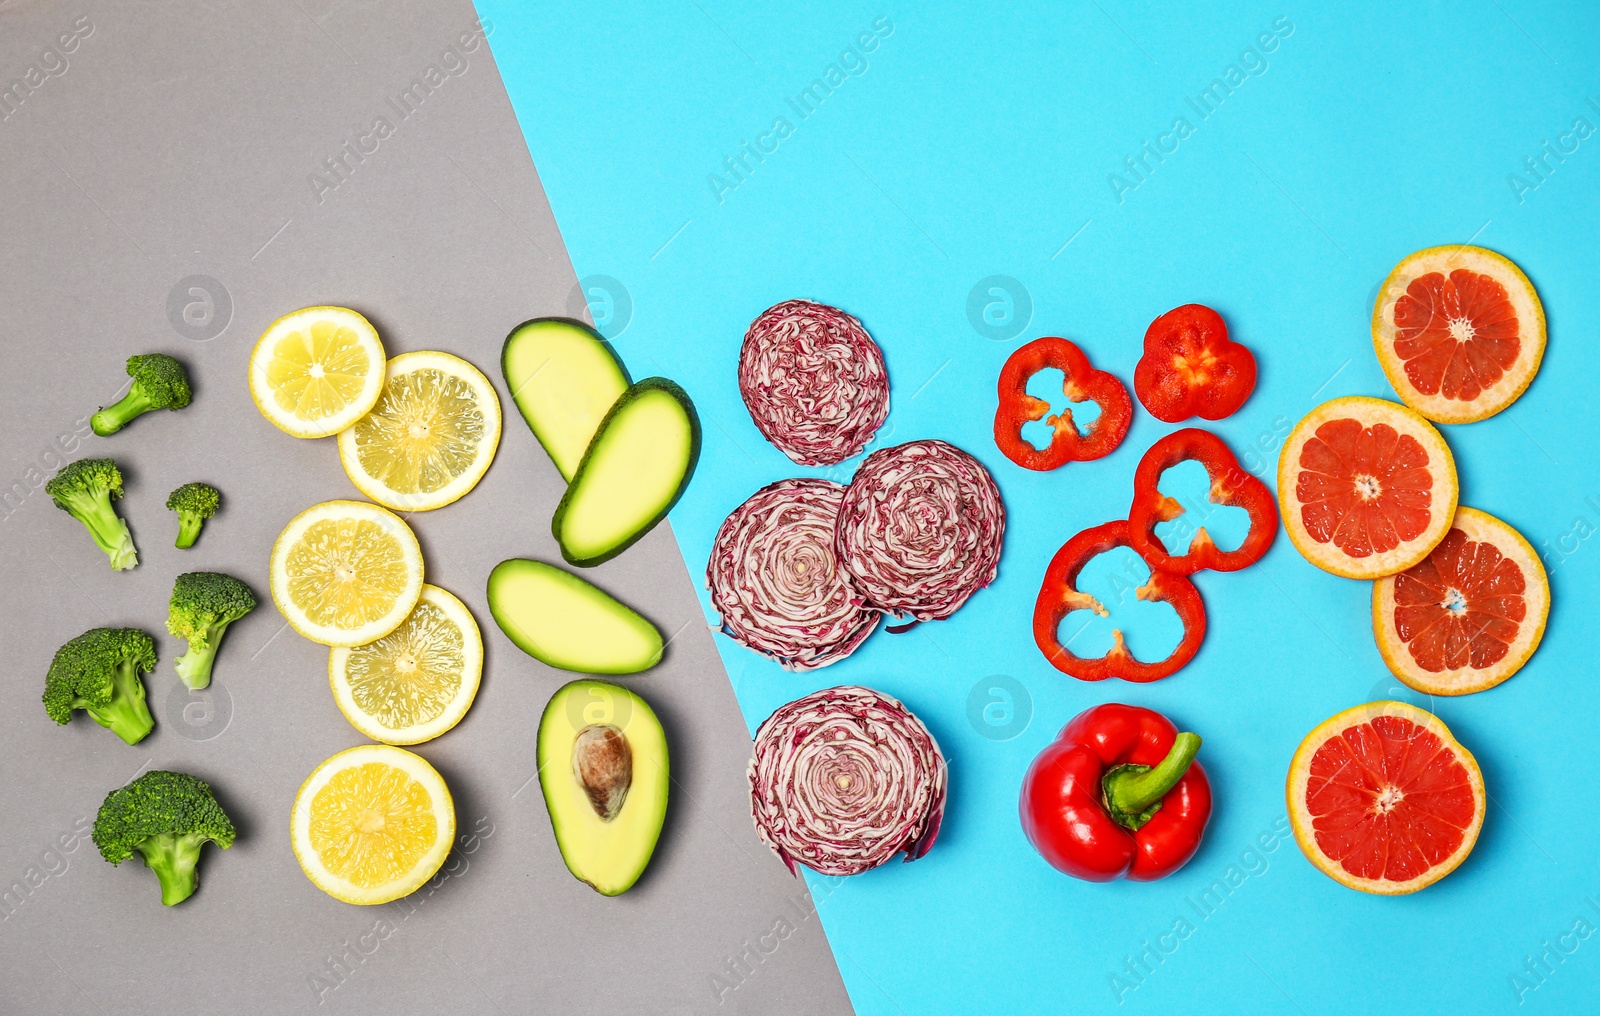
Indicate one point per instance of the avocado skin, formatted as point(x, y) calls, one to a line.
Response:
point(638, 388)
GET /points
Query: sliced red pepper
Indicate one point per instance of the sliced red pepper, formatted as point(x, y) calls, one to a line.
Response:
point(1191, 368)
point(1230, 485)
point(1059, 596)
point(1083, 384)
point(1117, 795)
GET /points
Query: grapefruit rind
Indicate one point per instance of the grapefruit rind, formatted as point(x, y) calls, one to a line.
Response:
point(1524, 301)
point(1479, 526)
point(1302, 821)
point(1368, 411)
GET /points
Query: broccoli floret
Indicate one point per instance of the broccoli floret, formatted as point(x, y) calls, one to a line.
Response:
point(203, 605)
point(98, 672)
point(194, 503)
point(159, 382)
point(167, 817)
point(84, 490)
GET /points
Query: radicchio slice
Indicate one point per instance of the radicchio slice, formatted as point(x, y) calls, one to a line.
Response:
point(844, 779)
point(920, 529)
point(814, 381)
point(775, 580)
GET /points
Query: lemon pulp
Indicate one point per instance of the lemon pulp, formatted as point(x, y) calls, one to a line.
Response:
point(345, 573)
point(317, 371)
point(371, 824)
point(423, 433)
point(410, 676)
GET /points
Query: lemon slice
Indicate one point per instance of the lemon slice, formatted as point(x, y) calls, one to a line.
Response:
point(345, 573)
point(372, 824)
point(429, 438)
point(316, 371)
point(416, 682)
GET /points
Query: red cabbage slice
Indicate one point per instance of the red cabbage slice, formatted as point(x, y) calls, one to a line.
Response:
point(775, 580)
point(814, 381)
point(844, 779)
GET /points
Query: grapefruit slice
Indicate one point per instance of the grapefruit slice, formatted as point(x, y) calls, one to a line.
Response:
point(1467, 616)
point(1459, 331)
point(1383, 799)
point(1367, 487)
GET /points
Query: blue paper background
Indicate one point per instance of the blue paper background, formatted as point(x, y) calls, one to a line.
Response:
point(975, 144)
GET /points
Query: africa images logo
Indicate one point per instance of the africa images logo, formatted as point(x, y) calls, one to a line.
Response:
point(851, 63)
point(1252, 63)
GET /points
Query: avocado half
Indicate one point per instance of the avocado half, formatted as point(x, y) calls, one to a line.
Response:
point(604, 771)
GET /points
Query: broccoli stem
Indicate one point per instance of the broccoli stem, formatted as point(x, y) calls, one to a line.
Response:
point(113, 537)
point(126, 715)
point(189, 524)
point(194, 666)
point(173, 856)
point(117, 416)
point(107, 528)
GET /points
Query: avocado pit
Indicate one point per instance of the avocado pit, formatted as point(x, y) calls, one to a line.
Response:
point(602, 760)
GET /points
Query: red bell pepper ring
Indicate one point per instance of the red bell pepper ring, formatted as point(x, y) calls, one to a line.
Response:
point(1060, 596)
point(1117, 795)
point(1230, 485)
point(1083, 384)
point(1191, 368)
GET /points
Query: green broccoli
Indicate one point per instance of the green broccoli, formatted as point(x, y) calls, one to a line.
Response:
point(98, 672)
point(159, 382)
point(84, 490)
point(203, 605)
point(167, 817)
point(194, 503)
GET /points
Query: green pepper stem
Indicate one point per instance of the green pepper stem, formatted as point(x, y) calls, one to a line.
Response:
point(1133, 793)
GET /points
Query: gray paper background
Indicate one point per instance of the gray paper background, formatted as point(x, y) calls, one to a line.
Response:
point(157, 178)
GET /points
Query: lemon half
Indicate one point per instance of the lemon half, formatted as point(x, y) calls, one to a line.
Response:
point(416, 682)
point(372, 824)
point(345, 573)
point(429, 438)
point(316, 371)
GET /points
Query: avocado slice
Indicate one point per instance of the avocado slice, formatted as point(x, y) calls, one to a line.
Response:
point(634, 471)
point(564, 378)
point(603, 767)
point(559, 619)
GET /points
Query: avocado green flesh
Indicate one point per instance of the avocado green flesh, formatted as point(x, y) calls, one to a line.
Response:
point(559, 619)
point(564, 378)
point(607, 854)
point(633, 473)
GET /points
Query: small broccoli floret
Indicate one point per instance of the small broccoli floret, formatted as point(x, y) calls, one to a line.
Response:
point(203, 605)
point(98, 672)
point(159, 382)
point(84, 490)
point(194, 503)
point(167, 817)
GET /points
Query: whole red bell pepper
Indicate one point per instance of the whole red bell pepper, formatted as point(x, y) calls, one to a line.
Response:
point(1230, 485)
point(1191, 368)
point(1059, 596)
point(1118, 794)
point(1083, 384)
